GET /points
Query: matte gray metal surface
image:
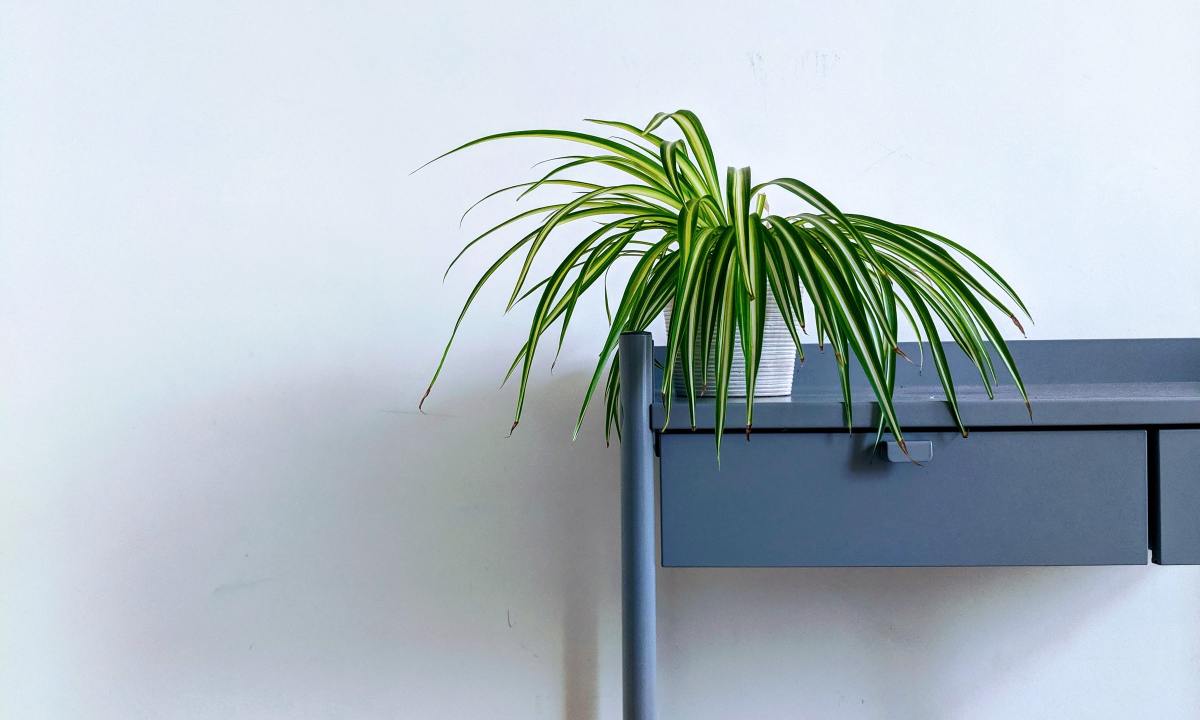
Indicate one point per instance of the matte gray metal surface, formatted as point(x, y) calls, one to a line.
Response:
point(1067, 497)
point(1070, 382)
point(1178, 501)
point(638, 622)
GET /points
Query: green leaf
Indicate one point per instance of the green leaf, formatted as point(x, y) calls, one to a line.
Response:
point(726, 324)
point(692, 249)
point(563, 215)
point(634, 288)
point(612, 146)
point(753, 314)
point(935, 349)
point(697, 140)
point(737, 187)
point(979, 263)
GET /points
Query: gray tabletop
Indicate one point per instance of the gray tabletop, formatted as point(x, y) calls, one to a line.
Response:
point(1150, 382)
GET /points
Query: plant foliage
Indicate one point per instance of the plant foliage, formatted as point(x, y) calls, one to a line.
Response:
point(712, 249)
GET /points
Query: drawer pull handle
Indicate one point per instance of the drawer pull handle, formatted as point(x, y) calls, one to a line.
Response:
point(920, 450)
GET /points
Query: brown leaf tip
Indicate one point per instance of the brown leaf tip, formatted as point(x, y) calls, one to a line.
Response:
point(1018, 324)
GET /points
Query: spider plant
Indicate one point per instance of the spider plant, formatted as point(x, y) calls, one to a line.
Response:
point(713, 249)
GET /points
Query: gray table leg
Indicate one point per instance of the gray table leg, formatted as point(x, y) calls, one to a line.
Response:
point(637, 527)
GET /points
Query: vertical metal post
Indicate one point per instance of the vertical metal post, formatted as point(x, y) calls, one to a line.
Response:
point(637, 527)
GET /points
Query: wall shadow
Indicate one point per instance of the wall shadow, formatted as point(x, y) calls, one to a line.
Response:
point(571, 491)
point(921, 642)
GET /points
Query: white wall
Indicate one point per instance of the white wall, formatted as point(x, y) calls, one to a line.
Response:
point(220, 298)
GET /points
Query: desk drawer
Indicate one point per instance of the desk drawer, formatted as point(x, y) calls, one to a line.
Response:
point(1177, 540)
point(1062, 497)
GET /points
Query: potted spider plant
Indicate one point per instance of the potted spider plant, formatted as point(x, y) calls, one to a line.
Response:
point(734, 279)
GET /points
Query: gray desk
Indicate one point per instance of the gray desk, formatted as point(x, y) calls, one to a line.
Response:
point(1107, 469)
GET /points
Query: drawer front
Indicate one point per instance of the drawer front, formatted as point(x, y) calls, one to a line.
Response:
point(822, 499)
point(1178, 501)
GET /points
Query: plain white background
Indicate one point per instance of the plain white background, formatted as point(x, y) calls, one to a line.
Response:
point(221, 296)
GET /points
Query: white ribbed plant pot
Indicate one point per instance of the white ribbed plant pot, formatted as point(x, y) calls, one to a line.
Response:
point(775, 370)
